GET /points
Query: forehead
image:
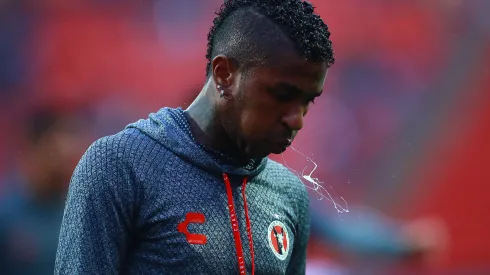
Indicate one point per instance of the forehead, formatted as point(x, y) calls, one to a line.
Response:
point(294, 70)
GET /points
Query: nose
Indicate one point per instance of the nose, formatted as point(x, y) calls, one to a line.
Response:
point(294, 118)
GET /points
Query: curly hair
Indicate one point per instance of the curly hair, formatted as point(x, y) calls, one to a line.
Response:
point(242, 29)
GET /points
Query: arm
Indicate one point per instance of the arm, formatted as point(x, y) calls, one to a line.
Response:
point(297, 265)
point(97, 219)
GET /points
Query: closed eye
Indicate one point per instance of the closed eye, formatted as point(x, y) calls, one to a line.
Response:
point(285, 92)
point(283, 95)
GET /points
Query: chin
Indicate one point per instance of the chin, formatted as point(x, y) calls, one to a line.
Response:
point(255, 154)
point(281, 151)
point(262, 150)
point(269, 151)
point(278, 151)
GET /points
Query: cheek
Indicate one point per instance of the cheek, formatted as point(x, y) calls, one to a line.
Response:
point(257, 121)
point(258, 111)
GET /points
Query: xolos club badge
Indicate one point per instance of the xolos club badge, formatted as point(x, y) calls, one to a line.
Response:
point(278, 236)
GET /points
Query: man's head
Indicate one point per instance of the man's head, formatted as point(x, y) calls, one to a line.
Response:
point(269, 58)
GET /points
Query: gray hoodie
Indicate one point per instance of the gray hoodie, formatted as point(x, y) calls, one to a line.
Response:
point(150, 200)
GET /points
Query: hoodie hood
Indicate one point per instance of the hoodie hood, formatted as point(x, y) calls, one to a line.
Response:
point(170, 128)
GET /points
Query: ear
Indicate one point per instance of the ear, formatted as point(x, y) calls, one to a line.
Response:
point(225, 71)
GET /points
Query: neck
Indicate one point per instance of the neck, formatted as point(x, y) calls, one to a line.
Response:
point(206, 126)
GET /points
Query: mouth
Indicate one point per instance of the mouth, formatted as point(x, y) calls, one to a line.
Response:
point(279, 146)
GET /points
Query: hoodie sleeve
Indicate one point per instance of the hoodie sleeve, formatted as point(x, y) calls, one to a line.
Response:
point(297, 265)
point(99, 206)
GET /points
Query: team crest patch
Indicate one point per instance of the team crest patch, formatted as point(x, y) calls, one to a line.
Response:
point(278, 236)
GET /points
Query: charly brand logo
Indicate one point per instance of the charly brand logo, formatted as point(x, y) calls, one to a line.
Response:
point(192, 217)
point(278, 236)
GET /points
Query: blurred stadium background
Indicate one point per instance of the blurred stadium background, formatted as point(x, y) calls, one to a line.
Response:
point(403, 129)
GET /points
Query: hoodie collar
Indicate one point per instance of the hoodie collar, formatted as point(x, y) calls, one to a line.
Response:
point(171, 128)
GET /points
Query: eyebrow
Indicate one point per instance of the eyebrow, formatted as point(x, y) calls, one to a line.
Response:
point(296, 90)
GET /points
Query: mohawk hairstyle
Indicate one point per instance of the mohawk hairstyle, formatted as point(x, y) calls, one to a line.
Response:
point(243, 28)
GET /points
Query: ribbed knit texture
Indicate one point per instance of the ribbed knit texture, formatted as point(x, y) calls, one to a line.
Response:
point(131, 190)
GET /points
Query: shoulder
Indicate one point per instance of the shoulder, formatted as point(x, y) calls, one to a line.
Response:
point(124, 148)
point(281, 177)
point(126, 141)
point(112, 157)
point(125, 158)
point(106, 172)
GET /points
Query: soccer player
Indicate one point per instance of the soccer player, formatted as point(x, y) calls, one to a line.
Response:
point(192, 191)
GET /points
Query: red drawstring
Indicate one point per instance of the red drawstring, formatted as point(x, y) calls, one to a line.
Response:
point(234, 225)
point(249, 227)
